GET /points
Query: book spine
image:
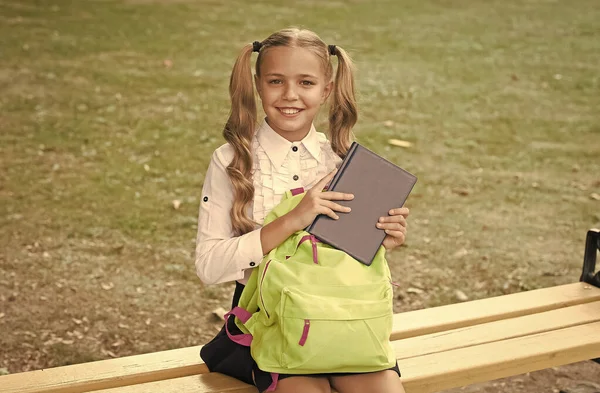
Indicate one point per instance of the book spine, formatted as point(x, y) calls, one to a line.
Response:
point(336, 178)
point(342, 168)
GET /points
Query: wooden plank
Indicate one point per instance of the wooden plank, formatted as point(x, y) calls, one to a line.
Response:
point(186, 361)
point(205, 383)
point(498, 330)
point(465, 366)
point(439, 371)
point(438, 319)
point(107, 373)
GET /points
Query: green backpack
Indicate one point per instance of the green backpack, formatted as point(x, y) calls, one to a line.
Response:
point(309, 308)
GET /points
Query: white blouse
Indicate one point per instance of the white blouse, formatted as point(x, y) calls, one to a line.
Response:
point(278, 165)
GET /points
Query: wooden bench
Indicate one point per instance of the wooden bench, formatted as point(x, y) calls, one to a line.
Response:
point(437, 348)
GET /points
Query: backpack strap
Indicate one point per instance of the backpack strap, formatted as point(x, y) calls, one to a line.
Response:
point(297, 191)
point(244, 316)
point(289, 200)
point(314, 242)
point(273, 385)
point(246, 339)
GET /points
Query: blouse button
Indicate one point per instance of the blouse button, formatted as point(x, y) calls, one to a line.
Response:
point(295, 148)
point(296, 178)
point(205, 199)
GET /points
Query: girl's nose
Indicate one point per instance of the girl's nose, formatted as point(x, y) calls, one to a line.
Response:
point(290, 92)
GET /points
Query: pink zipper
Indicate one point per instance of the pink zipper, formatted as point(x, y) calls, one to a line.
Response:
point(304, 332)
point(313, 241)
point(261, 283)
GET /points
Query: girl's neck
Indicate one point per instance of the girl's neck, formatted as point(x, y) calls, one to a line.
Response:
point(295, 136)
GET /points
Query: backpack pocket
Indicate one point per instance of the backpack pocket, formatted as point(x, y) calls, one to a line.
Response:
point(337, 329)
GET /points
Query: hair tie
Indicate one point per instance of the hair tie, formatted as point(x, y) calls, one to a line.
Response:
point(332, 50)
point(256, 45)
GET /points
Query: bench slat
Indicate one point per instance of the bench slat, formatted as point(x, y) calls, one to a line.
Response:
point(204, 383)
point(435, 372)
point(465, 366)
point(452, 316)
point(499, 330)
point(186, 361)
point(105, 373)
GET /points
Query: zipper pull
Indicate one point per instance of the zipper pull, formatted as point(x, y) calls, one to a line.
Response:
point(304, 332)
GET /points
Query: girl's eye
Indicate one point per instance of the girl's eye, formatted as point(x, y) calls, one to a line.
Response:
point(307, 83)
point(275, 81)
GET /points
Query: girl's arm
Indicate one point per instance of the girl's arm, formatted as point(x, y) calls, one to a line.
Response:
point(221, 256)
point(276, 232)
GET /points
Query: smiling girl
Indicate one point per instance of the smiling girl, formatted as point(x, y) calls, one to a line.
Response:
point(249, 174)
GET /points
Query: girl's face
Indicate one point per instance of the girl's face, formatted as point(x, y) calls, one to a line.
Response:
point(292, 87)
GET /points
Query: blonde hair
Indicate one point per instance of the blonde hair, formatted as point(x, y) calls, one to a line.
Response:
point(242, 121)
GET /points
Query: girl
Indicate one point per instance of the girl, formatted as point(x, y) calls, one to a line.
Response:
point(248, 175)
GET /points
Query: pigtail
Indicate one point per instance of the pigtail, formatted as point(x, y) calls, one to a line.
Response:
point(239, 131)
point(343, 112)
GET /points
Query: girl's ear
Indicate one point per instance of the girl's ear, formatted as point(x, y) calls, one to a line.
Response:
point(327, 92)
point(257, 83)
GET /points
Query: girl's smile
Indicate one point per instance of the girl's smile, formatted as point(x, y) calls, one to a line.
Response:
point(290, 112)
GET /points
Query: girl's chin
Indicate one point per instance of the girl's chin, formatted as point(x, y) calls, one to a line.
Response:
point(289, 127)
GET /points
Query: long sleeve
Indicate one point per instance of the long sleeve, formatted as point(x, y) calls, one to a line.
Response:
point(221, 256)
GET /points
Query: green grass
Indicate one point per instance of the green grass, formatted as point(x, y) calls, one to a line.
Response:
point(499, 98)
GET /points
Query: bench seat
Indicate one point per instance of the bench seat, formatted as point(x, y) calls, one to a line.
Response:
point(438, 371)
point(437, 348)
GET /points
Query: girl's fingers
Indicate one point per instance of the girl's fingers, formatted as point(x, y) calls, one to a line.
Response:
point(393, 219)
point(323, 182)
point(335, 206)
point(392, 226)
point(396, 234)
point(336, 196)
point(328, 212)
point(400, 211)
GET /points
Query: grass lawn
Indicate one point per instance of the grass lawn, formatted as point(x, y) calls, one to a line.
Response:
point(110, 111)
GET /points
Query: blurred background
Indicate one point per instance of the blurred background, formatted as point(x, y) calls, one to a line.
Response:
point(110, 111)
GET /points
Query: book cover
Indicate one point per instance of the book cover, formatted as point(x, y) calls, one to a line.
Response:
point(378, 186)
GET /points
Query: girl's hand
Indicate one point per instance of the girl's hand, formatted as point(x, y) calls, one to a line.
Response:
point(395, 227)
point(315, 202)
